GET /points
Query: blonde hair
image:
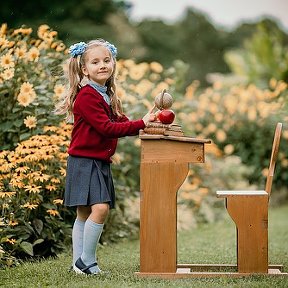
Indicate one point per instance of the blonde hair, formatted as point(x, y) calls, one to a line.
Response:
point(75, 80)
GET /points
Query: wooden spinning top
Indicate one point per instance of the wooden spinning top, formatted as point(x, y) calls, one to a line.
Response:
point(163, 100)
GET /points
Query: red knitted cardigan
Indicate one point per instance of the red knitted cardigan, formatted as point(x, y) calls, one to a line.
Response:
point(96, 129)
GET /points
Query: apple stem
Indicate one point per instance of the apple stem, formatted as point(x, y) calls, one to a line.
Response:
point(161, 98)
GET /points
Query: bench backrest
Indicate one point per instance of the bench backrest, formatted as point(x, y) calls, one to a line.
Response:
point(274, 155)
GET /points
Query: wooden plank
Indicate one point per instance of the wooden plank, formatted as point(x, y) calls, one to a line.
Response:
point(271, 272)
point(228, 193)
point(158, 151)
point(219, 267)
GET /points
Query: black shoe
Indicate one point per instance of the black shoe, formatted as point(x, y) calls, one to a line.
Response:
point(80, 268)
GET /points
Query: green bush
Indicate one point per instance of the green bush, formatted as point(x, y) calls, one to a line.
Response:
point(31, 189)
point(28, 85)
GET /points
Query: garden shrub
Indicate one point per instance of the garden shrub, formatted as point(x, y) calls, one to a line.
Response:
point(32, 219)
point(241, 121)
point(28, 82)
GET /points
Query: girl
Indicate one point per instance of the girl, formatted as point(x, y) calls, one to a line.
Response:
point(98, 122)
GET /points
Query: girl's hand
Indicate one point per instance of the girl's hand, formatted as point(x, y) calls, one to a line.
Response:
point(150, 116)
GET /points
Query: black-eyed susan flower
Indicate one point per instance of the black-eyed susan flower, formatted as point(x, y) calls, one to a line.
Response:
point(51, 188)
point(11, 241)
point(32, 188)
point(30, 206)
point(39, 176)
point(58, 201)
point(53, 212)
point(13, 223)
point(7, 194)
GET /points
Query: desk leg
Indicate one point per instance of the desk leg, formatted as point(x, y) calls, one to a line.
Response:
point(158, 215)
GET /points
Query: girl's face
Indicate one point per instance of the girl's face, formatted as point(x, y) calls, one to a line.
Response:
point(98, 65)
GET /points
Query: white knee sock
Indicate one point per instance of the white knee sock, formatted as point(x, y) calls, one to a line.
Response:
point(77, 239)
point(92, 233)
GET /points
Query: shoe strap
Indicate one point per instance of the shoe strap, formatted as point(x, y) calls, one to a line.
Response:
point(88, 267)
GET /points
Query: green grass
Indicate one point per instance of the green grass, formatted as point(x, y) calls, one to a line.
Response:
point(211, 243)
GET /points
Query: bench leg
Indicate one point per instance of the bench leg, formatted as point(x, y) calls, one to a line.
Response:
point(250, 214)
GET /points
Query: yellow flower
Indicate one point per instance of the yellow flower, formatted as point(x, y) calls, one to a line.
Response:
point(3, 29)
point(221, 135)
point(33, 54)
point(13, 223)
point(11, 241)
point(22, 169)
point(156, 67)
point(42, 30)
point(143, 87)
point(62, 171)
point(2, 223)
point(116, 159)
point(52, 212)
point(273, 83)
point(55, 180)
point(24, 99)
point(8, 74)
point(30, 206)
point(59, 89)
point(39, 176)
point(27, 94)
point(6, 61)
point(51, 187)
point(58, 201)
point(32, 188)
point(20, 52)
point(30, 122)
point(229, 149)
point(137, 72)
point(60, 47)
point(4, 43)
point(252, 114)
point(24, 31)
point(128, 63)
point(7, 194)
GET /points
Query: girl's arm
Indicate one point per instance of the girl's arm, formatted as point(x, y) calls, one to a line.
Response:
point(92, 110)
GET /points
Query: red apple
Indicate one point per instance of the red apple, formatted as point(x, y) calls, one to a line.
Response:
point(166, 116)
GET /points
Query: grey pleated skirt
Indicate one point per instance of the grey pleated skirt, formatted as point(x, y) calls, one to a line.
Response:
point(88, 181)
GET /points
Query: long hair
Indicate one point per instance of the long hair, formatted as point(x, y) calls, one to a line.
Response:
point(76, 78)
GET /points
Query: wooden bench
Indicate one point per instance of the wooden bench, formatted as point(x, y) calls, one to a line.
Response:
point(249, 211)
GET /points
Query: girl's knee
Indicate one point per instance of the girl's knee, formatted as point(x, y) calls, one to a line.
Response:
point(99, 212)
point(83, 212)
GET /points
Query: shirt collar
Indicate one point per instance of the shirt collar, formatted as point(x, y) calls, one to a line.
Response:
point(102, 90)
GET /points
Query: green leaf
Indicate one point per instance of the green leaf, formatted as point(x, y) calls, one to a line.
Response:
point(25, 136)
point(38, 241)
point(27, 248)
point(38, 225)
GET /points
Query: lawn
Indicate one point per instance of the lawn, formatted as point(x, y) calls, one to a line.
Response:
point(210, 243)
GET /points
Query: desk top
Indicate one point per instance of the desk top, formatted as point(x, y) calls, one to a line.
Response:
point(174, 138)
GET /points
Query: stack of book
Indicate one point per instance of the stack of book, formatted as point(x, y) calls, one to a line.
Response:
point(158, 128)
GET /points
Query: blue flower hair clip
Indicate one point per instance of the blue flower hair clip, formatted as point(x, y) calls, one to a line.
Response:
point(77, 49)
point(112, 49)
